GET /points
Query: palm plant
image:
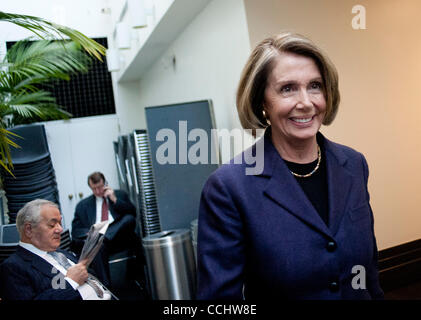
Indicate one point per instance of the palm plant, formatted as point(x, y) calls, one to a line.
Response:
point(47, 30)
point(29, 64)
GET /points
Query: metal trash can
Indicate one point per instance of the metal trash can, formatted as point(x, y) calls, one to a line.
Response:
point(193, 229)
point(171, 265)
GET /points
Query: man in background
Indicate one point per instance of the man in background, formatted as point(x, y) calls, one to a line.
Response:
point(113, 206)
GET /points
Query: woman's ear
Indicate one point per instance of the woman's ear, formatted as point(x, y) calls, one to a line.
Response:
point(265, 114)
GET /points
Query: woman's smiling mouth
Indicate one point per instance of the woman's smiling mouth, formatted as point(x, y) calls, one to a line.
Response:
point(301, 119)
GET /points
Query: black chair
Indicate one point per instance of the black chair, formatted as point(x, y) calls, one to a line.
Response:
point(35, 186)
point(39, 175)
point(34, 146)
point(26, 197)
point(26, 173)
point(9, 239)
point(33, 170)
point(9, 234)
point(42, 162)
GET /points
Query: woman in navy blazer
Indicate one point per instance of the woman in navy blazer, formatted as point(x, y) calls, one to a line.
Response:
point(302, 228)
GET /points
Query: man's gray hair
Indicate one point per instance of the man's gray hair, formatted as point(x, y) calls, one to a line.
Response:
point(31, 213)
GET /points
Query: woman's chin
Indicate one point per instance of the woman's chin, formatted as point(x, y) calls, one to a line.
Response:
point(303, 134)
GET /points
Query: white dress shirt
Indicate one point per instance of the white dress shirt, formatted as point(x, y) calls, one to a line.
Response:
point(85, 290)
point(99, 210)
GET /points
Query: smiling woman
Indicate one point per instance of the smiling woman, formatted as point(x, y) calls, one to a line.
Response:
point(288, 232)
point(295, 105)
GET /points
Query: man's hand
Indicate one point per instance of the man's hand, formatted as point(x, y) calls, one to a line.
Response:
point(109, 192)
point(78, 272)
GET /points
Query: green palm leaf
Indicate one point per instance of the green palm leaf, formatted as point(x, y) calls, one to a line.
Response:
point(5, 144)
point(29, 64)
point(45, 29)
point(40, 61)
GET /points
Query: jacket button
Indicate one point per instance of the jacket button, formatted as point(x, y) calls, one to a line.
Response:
point(334, 286)
point(331, 246)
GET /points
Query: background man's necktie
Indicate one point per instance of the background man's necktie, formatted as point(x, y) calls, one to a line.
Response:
point(62, 260)
point(104, 212)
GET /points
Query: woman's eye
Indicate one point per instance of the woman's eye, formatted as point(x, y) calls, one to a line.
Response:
point(316, 85)
point(286, 89)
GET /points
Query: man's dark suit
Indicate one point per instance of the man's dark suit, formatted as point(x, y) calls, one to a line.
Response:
point(120, 234)
point(26, 276)
point(85, 215)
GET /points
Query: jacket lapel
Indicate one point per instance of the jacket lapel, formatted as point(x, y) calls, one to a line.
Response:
point(92, 209)
point(36, 261)
point(339, 181)
point(39, 263)
point(285, 190)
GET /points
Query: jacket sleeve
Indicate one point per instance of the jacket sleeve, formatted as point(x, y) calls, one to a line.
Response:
point(373, 283)
point(123, 204)
point(220, 255)
point(80, 227)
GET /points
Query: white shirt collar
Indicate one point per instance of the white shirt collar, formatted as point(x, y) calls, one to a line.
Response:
point(33, 249)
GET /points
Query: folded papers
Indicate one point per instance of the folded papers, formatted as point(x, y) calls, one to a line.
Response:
point(93, 241)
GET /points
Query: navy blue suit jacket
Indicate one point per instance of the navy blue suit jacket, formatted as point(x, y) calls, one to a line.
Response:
point(262, 232)
point(85, 213)
point(26, 276)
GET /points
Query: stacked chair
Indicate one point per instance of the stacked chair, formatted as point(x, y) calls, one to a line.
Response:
point(32, 168)
point(9, 239)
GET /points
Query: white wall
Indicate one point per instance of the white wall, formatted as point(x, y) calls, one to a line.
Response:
point(210, 55)
point(155, 8)
point(83, 15)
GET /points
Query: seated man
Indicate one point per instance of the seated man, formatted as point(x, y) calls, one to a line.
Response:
point(37, 270)
point(114, 206)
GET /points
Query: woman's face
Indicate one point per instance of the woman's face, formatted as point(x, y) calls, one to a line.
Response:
point(294, 98)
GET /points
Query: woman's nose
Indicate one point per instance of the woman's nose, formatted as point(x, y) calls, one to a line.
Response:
point(304, 98)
